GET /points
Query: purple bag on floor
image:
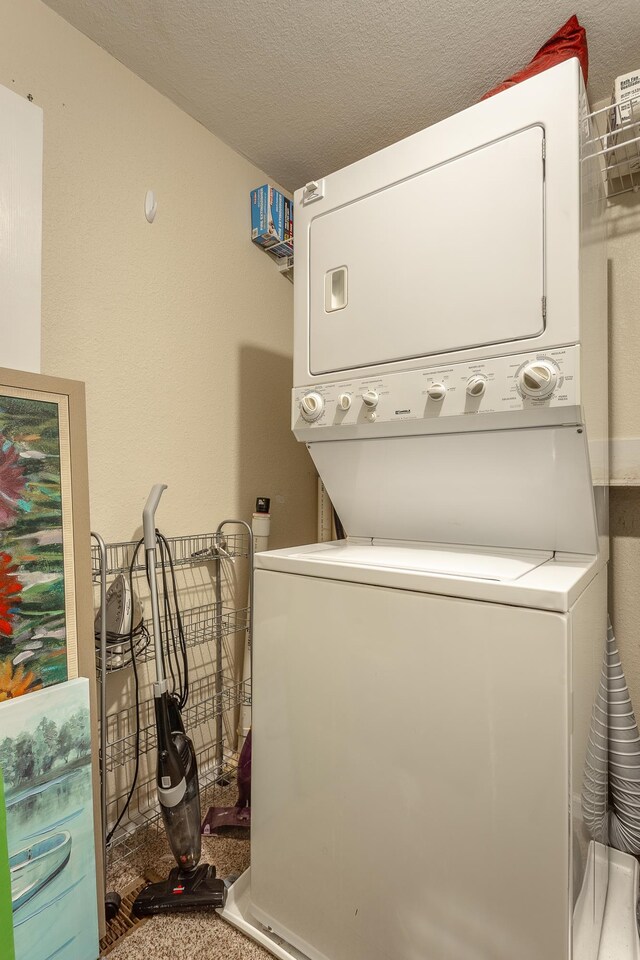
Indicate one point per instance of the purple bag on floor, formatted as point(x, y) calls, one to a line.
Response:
point(219, 819)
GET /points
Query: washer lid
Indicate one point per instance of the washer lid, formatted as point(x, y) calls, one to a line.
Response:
point(525, 578)
point(528, 489)
point(452, 561)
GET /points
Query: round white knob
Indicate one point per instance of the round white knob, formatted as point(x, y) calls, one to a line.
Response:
point(476, 385)
point(311, 406)
point(436, 391)
point(344, 401)
point(370, 398)
point(538, 379)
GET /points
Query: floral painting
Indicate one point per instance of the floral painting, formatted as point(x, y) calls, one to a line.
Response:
point(36, 629)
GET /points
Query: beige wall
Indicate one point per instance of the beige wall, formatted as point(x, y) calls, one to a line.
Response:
point(624, 365)
point(182, 329)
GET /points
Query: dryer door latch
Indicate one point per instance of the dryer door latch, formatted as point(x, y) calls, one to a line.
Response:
point(314, 190)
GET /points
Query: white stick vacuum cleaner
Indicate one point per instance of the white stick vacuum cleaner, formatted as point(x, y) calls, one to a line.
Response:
point(190, 885)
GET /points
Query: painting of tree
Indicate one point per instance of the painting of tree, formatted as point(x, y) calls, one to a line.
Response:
point(36, 754)
point(45, 757)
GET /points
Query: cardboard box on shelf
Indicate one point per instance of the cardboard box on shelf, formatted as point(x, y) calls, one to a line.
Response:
point(626, 93)
point(272, 220)
point(623, 133)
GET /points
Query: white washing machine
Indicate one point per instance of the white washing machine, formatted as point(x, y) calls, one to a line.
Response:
point(423, 690)
point(413, 753)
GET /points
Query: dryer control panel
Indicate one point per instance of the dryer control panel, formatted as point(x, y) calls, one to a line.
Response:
point(541, 388)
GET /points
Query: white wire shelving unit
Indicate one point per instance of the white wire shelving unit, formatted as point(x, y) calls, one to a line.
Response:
point(215, 693)
point(613, 140)
point(282, 255)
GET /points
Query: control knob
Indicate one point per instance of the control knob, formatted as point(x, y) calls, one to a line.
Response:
point(538, 379)
point(370, 398)
point(344, 401)
point(476, 385)
point(311, 406)
point(436, 391)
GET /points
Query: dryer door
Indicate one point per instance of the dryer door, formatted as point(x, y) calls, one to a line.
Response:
point(449, 259)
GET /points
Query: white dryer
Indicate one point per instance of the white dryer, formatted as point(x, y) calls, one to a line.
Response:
point(423, 690)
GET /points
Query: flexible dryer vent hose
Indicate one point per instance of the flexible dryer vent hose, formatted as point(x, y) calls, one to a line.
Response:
point(611, 790)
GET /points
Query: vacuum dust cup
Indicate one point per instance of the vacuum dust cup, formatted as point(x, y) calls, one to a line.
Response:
point(182, 821)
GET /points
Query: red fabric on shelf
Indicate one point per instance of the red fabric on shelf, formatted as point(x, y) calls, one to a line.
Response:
point(569, 41)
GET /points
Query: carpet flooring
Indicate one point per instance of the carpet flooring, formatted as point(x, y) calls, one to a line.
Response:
point(192, 936)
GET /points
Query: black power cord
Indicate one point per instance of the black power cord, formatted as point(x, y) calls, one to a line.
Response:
point(136, 681)
point(142, 639)
point(174, 635)
point(176, 652)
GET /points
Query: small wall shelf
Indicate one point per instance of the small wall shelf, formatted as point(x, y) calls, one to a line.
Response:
point(283, 263)
point(624, 462)
point(614, 139)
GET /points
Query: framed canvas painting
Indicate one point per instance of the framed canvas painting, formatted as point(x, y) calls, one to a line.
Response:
point(38, 629)
point(45, 754)
point(46, 601)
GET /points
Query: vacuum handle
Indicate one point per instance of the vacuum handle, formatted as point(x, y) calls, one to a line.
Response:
point(149, 515)
point(149, 530)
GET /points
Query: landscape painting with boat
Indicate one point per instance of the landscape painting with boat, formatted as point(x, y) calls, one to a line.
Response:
point(45, 758)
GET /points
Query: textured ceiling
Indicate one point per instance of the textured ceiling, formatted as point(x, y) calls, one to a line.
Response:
point(303, 88)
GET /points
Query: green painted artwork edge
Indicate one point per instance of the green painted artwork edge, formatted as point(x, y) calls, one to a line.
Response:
point(6, 914)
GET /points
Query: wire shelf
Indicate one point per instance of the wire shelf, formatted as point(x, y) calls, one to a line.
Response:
point(614, 139)
point(134, 834)
point(215, 693)
point(282, 255)
point(205, 704)
point(200, 625)
point(192, 550)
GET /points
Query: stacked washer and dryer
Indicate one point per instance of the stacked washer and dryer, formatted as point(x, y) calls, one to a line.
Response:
point(423, 690)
